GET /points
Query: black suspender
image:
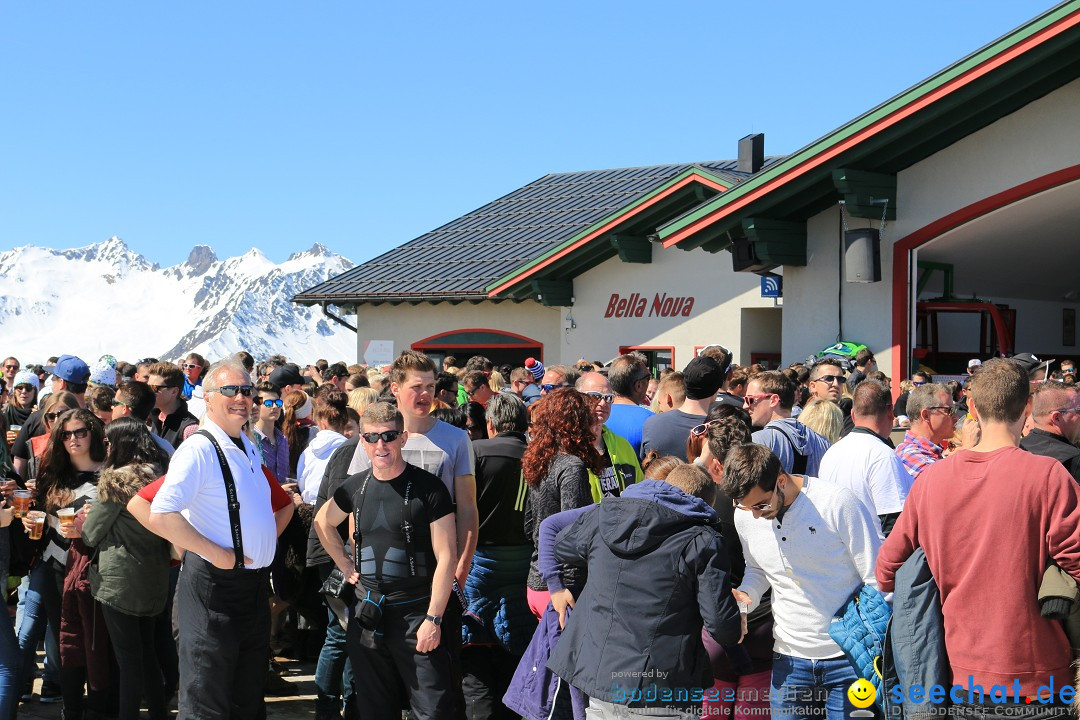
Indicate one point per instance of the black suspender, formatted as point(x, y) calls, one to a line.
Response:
point(406, 525)
point(234, 504)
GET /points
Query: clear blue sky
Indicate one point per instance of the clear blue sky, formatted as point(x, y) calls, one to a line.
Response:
point(362, 125)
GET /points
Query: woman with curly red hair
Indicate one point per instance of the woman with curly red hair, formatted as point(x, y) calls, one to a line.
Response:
point(556, 467)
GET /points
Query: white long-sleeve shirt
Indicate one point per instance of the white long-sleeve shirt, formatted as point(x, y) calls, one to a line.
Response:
point(824, 549)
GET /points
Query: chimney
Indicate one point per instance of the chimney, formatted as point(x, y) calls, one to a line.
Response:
point(751, 153)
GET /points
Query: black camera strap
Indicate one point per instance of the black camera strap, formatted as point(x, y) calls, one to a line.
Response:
point(230, 494)
point(358, 502)
point(406, 525)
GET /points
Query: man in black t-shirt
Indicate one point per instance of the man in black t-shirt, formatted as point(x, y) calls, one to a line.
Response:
point(406, 549)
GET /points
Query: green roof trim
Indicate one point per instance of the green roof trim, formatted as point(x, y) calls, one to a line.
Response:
point(873, 116)
point(694, 170)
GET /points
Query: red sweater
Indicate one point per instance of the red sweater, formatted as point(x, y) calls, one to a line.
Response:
point(989, 524)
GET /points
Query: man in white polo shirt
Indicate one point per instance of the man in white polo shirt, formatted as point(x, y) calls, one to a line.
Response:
point(224, 612)
point(865, 461)
point(814, 544)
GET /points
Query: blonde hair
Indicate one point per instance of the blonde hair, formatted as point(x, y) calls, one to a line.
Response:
point(496, 382)
point(360, 398)
point(823, 417)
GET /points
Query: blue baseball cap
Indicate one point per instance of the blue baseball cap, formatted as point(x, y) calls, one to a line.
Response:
point(70, 369)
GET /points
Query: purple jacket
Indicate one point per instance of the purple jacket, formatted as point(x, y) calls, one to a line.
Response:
point(275, 456)
point(535, 692)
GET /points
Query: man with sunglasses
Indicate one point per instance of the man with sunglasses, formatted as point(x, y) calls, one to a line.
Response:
point(10, 367)
point(217, 504)
point(813, 544)
point(900, 412)
point(769, 398)
point(476, 388)
point(1055, 413)
point(558, 376)
point(933, 424)
point(403, 563)
point(173, 422)
point(827, 383)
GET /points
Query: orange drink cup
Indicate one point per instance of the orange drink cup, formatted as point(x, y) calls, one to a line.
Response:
point(38, 527)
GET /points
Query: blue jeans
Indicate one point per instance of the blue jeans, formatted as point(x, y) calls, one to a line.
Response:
point(10, 690)
point(51, 674)
point(804, 688)
point(42, 608)
point(332, 666)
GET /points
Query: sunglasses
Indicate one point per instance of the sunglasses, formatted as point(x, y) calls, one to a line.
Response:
point(159, 388)
point(699, 430)
point(51, 416)
point(11, 367)
point(24, 388)
point(231, 390)
point(387, 436)
point(118, 403)
point(189, 366)
point(80, 433)
point(272, 403)
point(750, 400)
point(550, 386)
point(606, 397)
point(830, 379)
point(949, 409)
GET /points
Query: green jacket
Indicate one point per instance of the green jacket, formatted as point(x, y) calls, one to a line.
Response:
point(623, 460)
point(130, 569)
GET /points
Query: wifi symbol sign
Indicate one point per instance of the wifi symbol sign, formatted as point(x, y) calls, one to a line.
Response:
point(772, 286)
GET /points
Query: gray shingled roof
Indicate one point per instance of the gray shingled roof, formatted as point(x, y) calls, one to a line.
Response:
point(457, 260)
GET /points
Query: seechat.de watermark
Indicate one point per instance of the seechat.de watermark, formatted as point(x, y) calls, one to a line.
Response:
point(975, 693)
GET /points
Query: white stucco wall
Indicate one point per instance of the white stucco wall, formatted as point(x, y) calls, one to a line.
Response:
point(1040, 138)
point(718, 293)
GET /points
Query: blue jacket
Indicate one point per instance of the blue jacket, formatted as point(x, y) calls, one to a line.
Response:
point(658, 572)
point(859, 630)
point(915, 641)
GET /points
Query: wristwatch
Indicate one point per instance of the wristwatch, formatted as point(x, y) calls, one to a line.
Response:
point(435, 620)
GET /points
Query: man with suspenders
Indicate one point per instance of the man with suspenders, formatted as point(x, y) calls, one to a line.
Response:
point(215, 503)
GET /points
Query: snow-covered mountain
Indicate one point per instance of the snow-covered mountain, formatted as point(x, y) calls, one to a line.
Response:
point(106, 298)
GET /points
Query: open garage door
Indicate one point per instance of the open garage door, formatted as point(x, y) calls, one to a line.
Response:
point(1005, 281)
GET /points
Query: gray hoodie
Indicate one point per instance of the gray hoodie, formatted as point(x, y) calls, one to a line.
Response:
point(788, 436)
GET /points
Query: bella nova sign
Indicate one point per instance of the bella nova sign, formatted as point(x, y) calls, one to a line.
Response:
point(637, 305)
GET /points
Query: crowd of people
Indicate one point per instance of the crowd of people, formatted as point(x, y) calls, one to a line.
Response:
point(593, 540)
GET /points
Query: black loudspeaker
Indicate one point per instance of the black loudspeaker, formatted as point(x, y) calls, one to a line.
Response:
point(862, 255)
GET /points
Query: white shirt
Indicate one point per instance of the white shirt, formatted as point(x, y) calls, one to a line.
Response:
point(822, 551)
point(195, 488)
point(870, 469)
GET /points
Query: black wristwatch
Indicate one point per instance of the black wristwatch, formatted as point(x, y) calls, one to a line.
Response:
point(435, 620)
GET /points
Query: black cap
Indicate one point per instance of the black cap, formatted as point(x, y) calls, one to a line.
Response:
point(287, 374)
point(1030, 362)
point(703, 377)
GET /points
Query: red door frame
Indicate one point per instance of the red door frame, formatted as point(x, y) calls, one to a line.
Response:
point(432, 342)
point(901, 300)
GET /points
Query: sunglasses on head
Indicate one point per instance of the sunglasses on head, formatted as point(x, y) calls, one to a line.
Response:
point(272, 403)
point(231, 390)
point(387, 436)
point(80, 433)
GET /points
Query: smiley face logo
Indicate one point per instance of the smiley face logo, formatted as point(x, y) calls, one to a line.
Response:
point(862, 693)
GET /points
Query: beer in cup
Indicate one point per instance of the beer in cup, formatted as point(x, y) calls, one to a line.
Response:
point(37, 517)
point(21, 502)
